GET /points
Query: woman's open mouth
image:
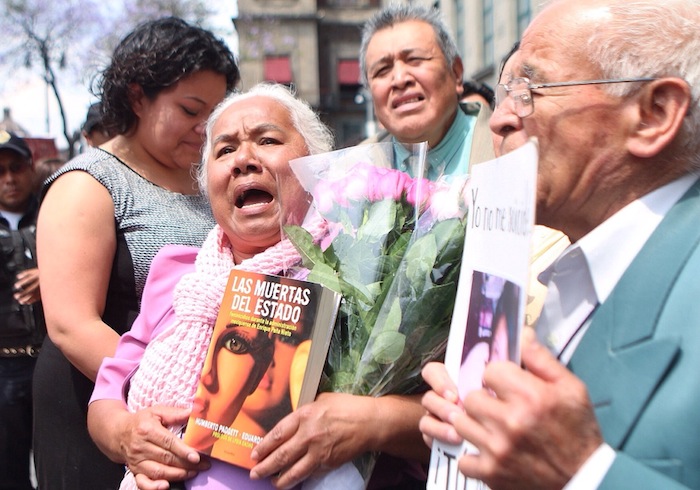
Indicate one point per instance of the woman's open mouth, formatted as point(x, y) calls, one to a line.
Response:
point(253, 197)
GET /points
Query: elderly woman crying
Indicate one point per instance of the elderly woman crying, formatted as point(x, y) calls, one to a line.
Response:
point(146, 391)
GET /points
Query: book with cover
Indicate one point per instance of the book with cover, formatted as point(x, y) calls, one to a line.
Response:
point(265, 358)
point(492, 291)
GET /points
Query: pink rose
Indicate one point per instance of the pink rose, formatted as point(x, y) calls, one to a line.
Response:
point(324, 196)
point(385, 183)
point(445, 204)
point(447, 201)
point(354, 186)
point(419, 192)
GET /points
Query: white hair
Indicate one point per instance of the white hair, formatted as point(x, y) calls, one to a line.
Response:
point(317, 136)
point(652, 38)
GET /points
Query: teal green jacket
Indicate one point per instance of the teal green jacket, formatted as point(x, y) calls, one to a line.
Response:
point(640, 359)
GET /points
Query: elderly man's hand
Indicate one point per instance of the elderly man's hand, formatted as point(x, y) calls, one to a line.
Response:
point(442, 405)
point(533, 428)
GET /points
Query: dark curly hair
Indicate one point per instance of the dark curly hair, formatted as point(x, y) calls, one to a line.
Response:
point(156, 55)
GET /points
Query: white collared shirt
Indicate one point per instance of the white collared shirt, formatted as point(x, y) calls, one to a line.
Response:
point(593, 266)
point(606, 251)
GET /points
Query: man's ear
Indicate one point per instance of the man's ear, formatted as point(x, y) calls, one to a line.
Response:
point(458, 72)
point(662, 106)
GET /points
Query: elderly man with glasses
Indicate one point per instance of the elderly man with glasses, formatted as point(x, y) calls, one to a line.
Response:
point(606, 397)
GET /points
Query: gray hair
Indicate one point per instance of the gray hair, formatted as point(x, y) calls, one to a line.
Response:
point(317, 136)
point(649, 38)
point(396, 14)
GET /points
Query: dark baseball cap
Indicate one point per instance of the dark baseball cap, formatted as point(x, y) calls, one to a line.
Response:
point(10, 141)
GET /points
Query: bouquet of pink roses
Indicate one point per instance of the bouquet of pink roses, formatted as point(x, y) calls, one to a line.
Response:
point(394, 253)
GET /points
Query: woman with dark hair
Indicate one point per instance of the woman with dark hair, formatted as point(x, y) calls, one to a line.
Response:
point(104, 216)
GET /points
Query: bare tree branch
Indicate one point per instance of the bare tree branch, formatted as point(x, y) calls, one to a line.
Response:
point(53, 37)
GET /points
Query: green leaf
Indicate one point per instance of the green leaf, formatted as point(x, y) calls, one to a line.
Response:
point(441, 300)
point(388, 347)
point(381, 218)
point(342, 381)
point(450, 239)
point(399, 246)
point(351, 217)
point(359, 266)
point(420, 258)
point(374, 289)
point(356, 290)
point(325, 275)
point(392, 320)
point(449, 236)
point(302, 240)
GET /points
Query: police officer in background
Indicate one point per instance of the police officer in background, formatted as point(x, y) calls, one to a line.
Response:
point(22, 328)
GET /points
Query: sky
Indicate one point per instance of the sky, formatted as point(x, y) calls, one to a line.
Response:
point(25, 92)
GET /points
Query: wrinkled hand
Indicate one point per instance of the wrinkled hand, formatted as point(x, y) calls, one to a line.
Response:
point(27, 287)
point(533, 429)
point(153, 453)
point(442, 405)
point(320, 435)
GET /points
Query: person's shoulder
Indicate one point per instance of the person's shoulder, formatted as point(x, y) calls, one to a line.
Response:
point(99, 164)
point(91, 159)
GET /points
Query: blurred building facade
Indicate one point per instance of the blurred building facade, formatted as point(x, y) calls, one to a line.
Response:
point(40, 147)
point(314, 46)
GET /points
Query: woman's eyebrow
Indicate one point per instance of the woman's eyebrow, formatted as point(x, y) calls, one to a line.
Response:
point(225, 138)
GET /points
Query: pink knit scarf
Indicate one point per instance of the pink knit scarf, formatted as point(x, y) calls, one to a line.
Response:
point(172, 362)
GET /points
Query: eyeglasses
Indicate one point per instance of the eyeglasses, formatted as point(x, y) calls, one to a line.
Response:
point(14, 168)
point(520, 90)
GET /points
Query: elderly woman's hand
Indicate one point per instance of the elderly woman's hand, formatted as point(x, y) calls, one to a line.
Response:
point(324, 434)
point(335, 429)
point(143, 442)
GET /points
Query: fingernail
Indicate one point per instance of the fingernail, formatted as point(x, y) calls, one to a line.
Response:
point(451, 396)
point(454, 438)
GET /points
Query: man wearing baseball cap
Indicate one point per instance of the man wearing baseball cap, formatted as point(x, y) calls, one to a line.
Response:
point(22, 328)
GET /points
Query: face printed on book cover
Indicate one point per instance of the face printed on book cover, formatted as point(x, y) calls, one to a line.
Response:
point(273, 391)
point(238, 350)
